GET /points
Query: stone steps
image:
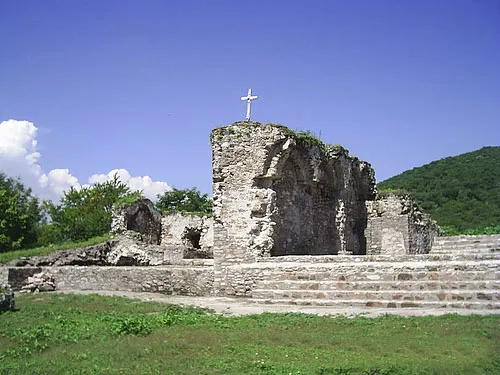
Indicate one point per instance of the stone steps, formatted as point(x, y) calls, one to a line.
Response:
point(483, 296)
point(455, 278)
point(387, 274)
point(470, 238)
point(467, 243)
point(383, 303)
point(431, 285)
point(439, 255)
point(471, 244)
point(466, 251)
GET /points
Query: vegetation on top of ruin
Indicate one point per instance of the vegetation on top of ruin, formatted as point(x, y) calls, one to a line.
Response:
point(462, 193)
point(306, 138)
point(334, 150)
point(45, 250)
point(236, 128)
point(54, 333)
point(302, 137)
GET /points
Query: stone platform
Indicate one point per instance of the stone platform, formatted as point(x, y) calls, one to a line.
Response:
point(459, 273)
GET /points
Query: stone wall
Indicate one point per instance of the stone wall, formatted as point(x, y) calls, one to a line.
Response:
point(278, 193)
point(4, 275)
point(187, 236)
point(195, 281)
point(396, 226)
point(282, 202)
point(142, 217)
point(174, 235)
point(7, 299)
point(400, 275)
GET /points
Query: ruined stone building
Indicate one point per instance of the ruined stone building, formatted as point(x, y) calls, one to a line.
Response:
point(294, 221)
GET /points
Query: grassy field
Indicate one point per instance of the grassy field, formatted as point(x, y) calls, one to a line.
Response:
point(88, 334)
point(11, 255)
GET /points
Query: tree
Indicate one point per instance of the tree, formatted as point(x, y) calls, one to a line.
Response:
point(187, 200)
point(20, 215)
point(461, 192)
point(86, 212)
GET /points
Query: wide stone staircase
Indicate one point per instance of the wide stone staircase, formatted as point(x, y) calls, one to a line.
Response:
point(460, 273)
point(467, 245)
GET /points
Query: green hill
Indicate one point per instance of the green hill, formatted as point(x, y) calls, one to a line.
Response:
point(462, 192)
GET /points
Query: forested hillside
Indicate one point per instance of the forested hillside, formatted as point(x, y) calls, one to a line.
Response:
point(462, 191)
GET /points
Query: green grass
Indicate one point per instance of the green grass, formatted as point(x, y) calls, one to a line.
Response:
point(10, 255)
point(453, 231)
point(75, 334)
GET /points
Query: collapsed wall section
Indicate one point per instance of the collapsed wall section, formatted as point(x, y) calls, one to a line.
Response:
point(277, 192)
point(396, 226)
point(174, 235)
point(186, 236)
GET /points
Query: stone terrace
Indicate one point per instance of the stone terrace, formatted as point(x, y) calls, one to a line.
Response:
point(297, 223)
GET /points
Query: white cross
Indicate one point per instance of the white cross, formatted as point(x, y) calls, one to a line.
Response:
point(249, 99)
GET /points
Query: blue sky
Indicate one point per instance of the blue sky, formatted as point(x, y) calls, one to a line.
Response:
point(139, 85)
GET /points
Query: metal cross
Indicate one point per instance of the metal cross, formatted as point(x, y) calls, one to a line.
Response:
point(249, 99)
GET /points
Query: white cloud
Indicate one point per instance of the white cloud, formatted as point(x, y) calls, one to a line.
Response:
point(19, 158)
point(149, 188)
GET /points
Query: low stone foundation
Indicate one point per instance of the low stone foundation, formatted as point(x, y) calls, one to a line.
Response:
point(191, 281)
point(459, 273)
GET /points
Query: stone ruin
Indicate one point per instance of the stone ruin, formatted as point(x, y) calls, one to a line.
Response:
point(39, 282)
point(396, 226)
point(275, 193)
point(7, 298)
point(294, 221)
point(181, 236)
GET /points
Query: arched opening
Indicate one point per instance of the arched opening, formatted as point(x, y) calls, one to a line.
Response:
point(305, 214)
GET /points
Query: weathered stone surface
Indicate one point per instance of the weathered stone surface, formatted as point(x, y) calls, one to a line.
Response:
point(129, 251)
point(124, 250)
point(7, 298)
point(275, 193)
point(141, 217)
point(39, 282)
point(187, 236)
point(396, 226)
point(4, 275)
point(92, 255)
point(17, 276)
point(182, 280)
